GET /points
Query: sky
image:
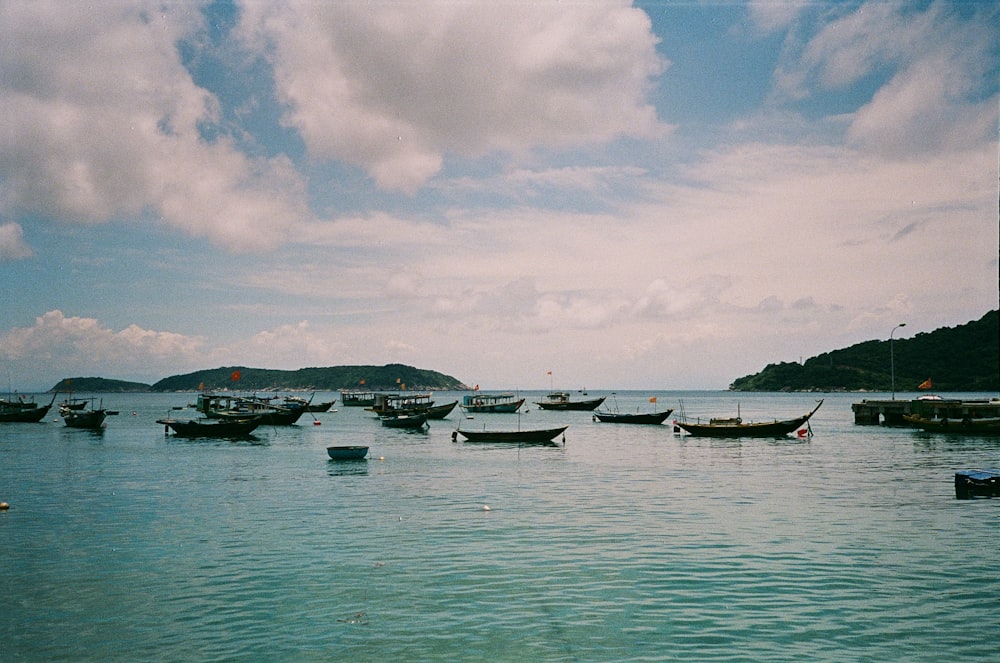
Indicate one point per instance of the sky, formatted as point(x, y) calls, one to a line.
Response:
point(548, 194)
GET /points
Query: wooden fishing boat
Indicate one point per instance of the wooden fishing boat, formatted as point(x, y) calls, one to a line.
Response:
point(208, 427)
point(964, 426)
point(441, 411)
point(632, 417)
point(220, 406)
point(736, 427)
point(387, 405)
point(296, 401)
point(411, 421)
point(560, 400)
point(545, 435)
point(977, 483)
point(347, 452)
point(22, 411)
point(91, 419)
point(478, 403)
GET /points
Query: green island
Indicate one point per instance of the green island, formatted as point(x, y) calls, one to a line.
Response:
point(333, 378)
point(962, 358)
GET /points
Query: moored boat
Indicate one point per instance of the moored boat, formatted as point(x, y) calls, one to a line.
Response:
point(219, 406)
point(355, 398)
point(411, 421)
point(736, 427)
point(208, 427)
point(347, 452)
point(92, 419)
point(963, 426)
point(560, 400)
point(23, 411)
point(632, 417)
point(478, 403)
point(544, 435)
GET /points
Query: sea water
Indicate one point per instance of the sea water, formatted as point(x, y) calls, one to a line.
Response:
point(619, 543)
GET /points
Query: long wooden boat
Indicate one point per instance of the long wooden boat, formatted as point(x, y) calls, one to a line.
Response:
point(347, 452)
point(411, 421)
point(296, 401)
point(964, 426)
point(632, 417)
point(22, 411)
point(441, 411)
point(478, 403)
point(208, 427)
point(736, 427)
point(512, 436)
point(560, 400)
point(225, 406)
point(977, 483)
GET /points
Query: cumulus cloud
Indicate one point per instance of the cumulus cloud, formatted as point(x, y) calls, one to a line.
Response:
point(12, 244)
point(395, 87)
point(103, 121)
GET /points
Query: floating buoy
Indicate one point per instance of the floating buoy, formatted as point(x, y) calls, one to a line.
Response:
point(381, 457)
point(316, 422)
point(486, 507)
point(4, 506)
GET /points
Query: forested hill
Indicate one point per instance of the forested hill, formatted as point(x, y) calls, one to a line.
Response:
point(962, 358)
point(375, 378)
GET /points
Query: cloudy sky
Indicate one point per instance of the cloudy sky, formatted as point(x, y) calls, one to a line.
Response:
point(659, 195)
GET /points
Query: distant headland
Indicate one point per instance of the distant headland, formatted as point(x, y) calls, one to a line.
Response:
point(333, 378)
point(962, 358)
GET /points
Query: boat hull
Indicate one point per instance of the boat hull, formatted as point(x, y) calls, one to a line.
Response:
point(25, 415)
point(347, 452)
point(976, 426)
point(411, 421)
point(733, 428)
point(92, 419)
point(518, 436)
point(633, 418)
point(563, 406)
point(212, 427)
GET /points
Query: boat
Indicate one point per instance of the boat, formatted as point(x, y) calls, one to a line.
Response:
point(963, 426)
point(297, 401)
point(23, 411)
point(207, 427)
point(977, 483)
point(544, 435)
point(736, 427)
point(347, 452)
point(92, 419)
point(218, 406)
point(632, 417)
point(399, 404)
point(560, 400)
point(404, 420)
point(356, 398)
point(505, 402)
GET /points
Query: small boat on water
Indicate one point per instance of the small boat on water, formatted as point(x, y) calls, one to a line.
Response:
point(632, 417)
point(224, 406)
point(92, 419)
point(478, 403)
point(964, 426)
point(23, 411)
point(977, 483)
point(297, 401)
point(560, 400)
point(411, 421)
point(388, 405)
point(736, 427)
point(544, 436)
point(347, 452)
point(207, 427)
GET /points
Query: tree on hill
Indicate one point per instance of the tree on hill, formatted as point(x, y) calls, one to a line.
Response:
point(962, 358)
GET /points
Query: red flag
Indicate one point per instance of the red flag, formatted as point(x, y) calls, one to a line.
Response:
point(926, 384)
point(235, 376)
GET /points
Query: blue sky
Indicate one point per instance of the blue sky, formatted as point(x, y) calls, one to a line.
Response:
point(660, 195)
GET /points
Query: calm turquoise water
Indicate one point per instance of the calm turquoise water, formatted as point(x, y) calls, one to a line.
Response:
point(626, 543)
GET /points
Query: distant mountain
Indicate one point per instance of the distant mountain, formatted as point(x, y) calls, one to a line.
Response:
point(962, 358)
point(375, 378)
point(102, 385)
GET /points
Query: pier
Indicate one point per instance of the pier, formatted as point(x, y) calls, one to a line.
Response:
point(890, 413)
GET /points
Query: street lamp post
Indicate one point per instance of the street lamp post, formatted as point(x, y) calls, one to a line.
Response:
point(892, 359)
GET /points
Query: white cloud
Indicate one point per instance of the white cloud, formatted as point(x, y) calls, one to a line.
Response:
point(102, 121)
point(12, 244)
point(395, 87)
